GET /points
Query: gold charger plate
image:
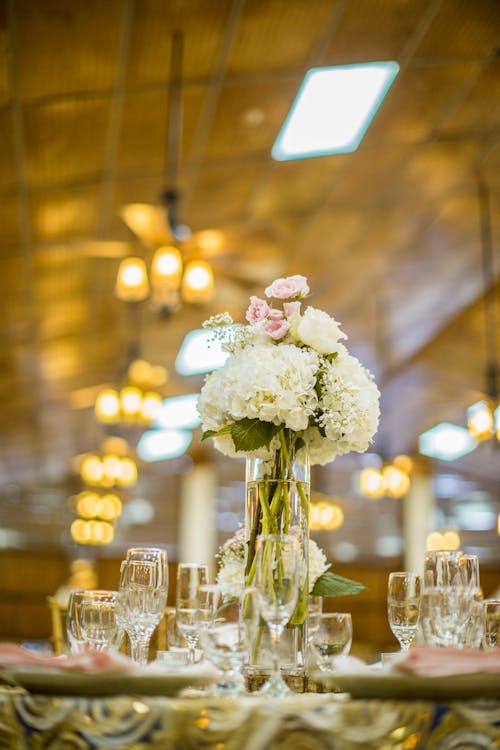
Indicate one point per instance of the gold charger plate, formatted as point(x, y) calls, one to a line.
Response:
point(405, 686)
point(59, 682)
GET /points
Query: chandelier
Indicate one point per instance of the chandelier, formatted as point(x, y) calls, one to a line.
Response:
point(170, 281)
point(392, 479)
point(99, 505)
point(483, 417)
point(137, 402)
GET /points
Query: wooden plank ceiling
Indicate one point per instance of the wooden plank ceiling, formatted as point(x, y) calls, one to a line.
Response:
point(388, 236)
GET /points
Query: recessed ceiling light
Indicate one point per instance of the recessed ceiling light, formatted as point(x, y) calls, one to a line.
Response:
point(200, 352)
point(446, 442)
point(333, 109)
point(160, 445)
point(179, 412)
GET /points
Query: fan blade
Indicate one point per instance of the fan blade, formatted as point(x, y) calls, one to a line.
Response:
point(147, 222)
point(111, 249)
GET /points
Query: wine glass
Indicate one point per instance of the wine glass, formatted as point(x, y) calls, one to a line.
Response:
point(142, 603)
point(403, 606)
point(98, 622)
point(277, 563)
point(332, 638)
point(222, 636)
point(190, 576)
point(154, 555)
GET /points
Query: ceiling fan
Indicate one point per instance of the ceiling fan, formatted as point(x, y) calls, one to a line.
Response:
point(240, 254)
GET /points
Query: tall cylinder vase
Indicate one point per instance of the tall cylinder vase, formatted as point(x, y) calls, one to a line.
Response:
point(277, 501)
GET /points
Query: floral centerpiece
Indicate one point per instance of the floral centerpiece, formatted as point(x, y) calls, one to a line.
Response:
point(231, 570)
point(289, 395)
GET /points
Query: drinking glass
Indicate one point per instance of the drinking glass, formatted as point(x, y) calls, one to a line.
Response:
point(469, 571)
point(76, 640)
point(222, 636)
point(98, 622)
point(403, 605)
point(472, 633)
point(190, 576)
point(442, 568)
point(277, 563)
point(491, 623)
point(314, 611)
point(445, 611)
point(332, 638)
point(143, 598)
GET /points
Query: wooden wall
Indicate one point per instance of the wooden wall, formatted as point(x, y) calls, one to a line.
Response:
point(27, 578)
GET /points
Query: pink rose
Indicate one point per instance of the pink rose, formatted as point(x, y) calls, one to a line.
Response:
point(257, 311)
point(275, 314)
point(291, 308)
point(292, 286)
point(276, 329)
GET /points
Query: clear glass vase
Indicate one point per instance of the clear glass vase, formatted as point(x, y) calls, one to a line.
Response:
point(277, 501)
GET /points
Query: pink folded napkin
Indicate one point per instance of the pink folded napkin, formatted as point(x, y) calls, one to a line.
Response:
point(434, 662)
point(12, 655)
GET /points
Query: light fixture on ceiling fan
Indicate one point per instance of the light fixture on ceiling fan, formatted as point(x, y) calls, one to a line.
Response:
point(483, 417)
point(172, 277)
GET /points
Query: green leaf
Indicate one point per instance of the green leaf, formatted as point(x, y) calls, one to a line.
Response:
point(251, 434)
point(329, 584)
point(226, 430)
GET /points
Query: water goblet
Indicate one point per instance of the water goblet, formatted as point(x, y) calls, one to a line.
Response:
point(403, 605)
point(277, 563)
point(190, 576)
point(154, 555)
point(99, 625)
point(333, 638)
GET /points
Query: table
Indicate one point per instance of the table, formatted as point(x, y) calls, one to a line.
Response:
point(302, 722)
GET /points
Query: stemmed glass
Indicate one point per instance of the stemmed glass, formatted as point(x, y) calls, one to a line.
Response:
point(276, 582)
point(99, 625)
point(190, 576)
point(143, 598)
point(403, 606)
point(223, 636)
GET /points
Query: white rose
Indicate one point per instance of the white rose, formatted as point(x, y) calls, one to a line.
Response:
point(320, 331)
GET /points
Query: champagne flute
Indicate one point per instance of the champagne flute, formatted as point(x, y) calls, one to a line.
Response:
point(190, 576)
point(141, 605)
point(277, 563)
point(403, 606)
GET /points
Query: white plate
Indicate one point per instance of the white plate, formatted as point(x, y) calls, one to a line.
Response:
point(59, 682)
point(404, 686)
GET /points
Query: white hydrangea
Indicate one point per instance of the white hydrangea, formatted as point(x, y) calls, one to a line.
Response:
point(303, 380)
point(262, 381)
point(231, 557)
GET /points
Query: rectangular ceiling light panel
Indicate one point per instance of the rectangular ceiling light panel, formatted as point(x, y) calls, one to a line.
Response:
point(333, 109)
